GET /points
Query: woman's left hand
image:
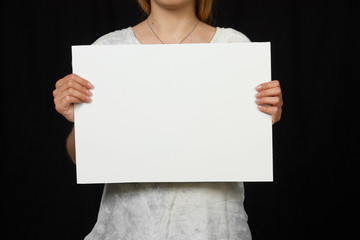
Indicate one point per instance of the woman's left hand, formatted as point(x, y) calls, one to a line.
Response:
point(269, 99)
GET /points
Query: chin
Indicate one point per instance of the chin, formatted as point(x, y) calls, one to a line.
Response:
point(173, 4)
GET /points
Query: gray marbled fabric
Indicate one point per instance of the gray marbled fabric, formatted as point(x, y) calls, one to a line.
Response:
point(171, 211)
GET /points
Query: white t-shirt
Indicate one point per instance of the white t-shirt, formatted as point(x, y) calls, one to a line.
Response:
point(171, 211)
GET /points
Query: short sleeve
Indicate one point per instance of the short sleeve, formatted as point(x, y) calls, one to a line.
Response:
point(235, 36)
point(124, 36)
point(229, 35)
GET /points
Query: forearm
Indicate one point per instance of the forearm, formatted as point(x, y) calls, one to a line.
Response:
point(70, 145)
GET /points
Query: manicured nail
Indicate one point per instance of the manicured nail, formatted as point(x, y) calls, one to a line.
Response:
point(258, 87)
point(257, 95)
point(257, 100)
point(90, 85)
point(88, 93)
point(88, 99)
point(261, 107)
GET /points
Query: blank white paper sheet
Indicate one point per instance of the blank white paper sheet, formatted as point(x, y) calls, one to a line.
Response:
point(173, 113)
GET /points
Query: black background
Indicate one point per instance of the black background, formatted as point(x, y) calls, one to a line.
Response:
point(314, 55)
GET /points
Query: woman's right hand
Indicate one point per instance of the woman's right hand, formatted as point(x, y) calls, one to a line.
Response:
point(69, 90)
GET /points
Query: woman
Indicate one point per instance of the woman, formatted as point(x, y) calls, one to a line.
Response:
point(168, 210)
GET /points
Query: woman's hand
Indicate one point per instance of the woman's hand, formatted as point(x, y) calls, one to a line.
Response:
point(269, 99)
point(69, 90)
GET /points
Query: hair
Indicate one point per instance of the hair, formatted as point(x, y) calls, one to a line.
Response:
point(203, 8)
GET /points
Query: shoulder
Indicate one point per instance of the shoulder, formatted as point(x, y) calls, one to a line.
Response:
point(230, 35)
point(124, 36)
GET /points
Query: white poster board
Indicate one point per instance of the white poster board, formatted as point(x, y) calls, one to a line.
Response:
point(173, 113)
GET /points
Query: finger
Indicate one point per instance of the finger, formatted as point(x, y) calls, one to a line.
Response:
point(267, 85)
point(275, 101)
point(73, 93)
point(271, 92)
point(272, 110)
point(55, 93)
point(65, 104)
point(74, 78)
point(69, 100)
point(71, 84)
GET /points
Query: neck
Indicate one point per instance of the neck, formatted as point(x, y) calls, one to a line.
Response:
point(172, 23)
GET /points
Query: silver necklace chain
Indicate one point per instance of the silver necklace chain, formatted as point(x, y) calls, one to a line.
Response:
point(152, 30)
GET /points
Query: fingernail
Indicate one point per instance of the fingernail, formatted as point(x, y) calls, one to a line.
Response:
point(258, 87)
point(88, 93)
point(261, 107)
point(90, 85)
point(257, 100)
point(257, 95)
